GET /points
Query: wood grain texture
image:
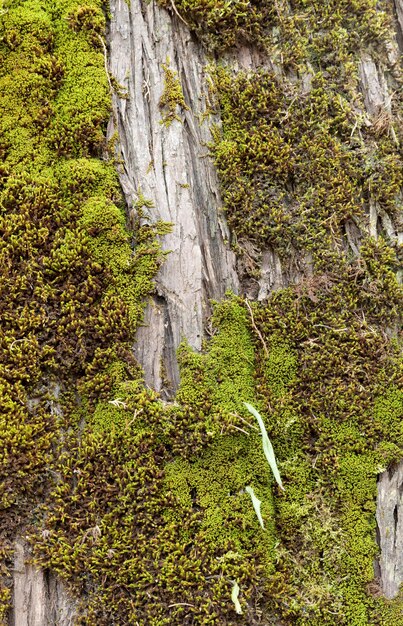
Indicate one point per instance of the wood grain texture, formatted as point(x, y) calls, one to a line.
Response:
point(389, 516)
point(170, 166)
point(39, 597)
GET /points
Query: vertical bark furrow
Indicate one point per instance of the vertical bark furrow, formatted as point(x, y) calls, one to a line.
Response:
point(166, 163)
point(39, 598)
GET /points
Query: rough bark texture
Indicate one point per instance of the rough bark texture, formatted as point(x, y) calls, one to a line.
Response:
point(389, 513)
point(389, 516)
point(399, 28)
point(170, 166)
point(39, 598)
point(378, 100)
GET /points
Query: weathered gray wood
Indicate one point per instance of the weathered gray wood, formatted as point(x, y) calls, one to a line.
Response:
point(39, 599)
point(389, 516)
point(378, 94)
point(373, 85)
point(399, 13)
point(170, 166)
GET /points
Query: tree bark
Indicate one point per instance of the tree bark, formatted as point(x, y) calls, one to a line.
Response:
point(389, 516)
point(200, 266)
point(39, 597)
point(166, 174)
point(171, 167)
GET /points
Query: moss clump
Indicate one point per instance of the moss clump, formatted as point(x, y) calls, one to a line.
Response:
point(280, 368)
point(292, 176)
point(152, 498)
point(221, 24)
point(226, 371)
point(132, 270)
point(326, 32)
point(336, 425)
point(68, 306)
point(172, 97)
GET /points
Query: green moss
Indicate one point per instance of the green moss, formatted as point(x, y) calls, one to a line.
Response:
point(172, 96)
point(169, 480)
point(386, 610)
point(216, 481)
point(280, 187)
point(327, 32)
point(335, 428)
point(225, 374)
point(280, 368)
point(69, 307)
point(220, 24)
point(149, 521)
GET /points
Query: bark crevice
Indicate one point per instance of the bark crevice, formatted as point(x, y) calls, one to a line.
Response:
point(170, 165)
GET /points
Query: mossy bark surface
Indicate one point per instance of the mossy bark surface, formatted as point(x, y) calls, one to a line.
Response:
point(268, 134)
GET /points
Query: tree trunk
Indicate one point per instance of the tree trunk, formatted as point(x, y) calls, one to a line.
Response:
point(39, 597)
point(164, 156)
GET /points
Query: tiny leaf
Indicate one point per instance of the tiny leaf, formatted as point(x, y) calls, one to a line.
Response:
point(256, 504)
point(267, 447)
point(234, 597)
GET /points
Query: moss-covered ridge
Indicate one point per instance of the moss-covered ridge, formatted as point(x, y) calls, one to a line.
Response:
point(69, 307)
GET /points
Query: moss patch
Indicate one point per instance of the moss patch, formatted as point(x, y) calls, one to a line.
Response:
point(221, 24)
point(69, 306)
point(336, 426)
point(172, 97)
point(152, 499)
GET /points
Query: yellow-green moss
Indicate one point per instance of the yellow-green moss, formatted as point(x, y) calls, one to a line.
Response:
point(221, 24)
point(68, 306)
point(327, 32)
point(152, 499)
point(172, 97)
point(336, 426)
point(226, 371)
